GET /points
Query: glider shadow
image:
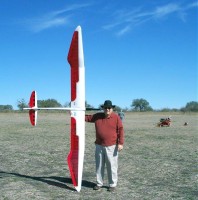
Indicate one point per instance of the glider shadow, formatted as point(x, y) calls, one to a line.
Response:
point(60, 182)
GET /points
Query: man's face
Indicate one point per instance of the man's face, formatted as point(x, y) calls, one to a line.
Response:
point(108, 110)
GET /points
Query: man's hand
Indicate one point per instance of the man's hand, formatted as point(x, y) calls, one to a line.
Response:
point(120, 147)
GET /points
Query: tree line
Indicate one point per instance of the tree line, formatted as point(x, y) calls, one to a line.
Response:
point(138, 105)
point(143, 105)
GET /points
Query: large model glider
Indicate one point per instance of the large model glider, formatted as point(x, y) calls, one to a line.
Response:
point(76, 156)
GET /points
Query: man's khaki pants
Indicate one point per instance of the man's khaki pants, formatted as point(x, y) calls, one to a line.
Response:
point(106, 156)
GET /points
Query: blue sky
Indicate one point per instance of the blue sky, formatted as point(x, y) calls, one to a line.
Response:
point(132, 49)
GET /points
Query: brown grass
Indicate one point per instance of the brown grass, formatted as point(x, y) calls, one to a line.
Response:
point(156, 163)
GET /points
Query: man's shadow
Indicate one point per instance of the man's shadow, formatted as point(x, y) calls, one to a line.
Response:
point(60, 182)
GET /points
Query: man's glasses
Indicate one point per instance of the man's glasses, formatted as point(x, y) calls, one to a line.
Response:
point(107, 108)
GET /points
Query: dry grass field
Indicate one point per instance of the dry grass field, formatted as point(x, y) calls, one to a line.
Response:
point(156, 163)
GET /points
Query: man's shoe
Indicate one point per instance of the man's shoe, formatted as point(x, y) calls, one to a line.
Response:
point(96, 187)
point(111, 189)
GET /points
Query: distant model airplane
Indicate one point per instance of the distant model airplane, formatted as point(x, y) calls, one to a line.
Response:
point(75, 158)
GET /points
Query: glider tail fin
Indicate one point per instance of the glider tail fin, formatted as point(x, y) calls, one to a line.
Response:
point(33, 108)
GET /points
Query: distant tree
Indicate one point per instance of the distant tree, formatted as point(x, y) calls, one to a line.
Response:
point(174, 109)
point(168, 110)
point(67, 104)
point(100, 106)
point(165, 110)
point(183, 109)
point(6, 107)
point(191, 106)
point(126, 109)
point(48, 103)
point(141, 105)
point(21, 104)
point(88, 105)
point(118, 108)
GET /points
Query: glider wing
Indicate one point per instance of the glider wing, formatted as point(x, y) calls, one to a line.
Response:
point(76, 156)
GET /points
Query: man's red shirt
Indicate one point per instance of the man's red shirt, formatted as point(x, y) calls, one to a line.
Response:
point(109, 130)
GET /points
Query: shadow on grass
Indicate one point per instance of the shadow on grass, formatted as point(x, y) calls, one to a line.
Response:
point(50, 180)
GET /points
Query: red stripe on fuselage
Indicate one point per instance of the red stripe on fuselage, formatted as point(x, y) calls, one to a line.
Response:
point(74, 63)
point(72, 158)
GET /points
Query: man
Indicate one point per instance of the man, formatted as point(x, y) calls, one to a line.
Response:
point(109, 140)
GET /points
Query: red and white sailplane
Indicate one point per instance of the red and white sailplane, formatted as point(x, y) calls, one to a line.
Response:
point(76, 156)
